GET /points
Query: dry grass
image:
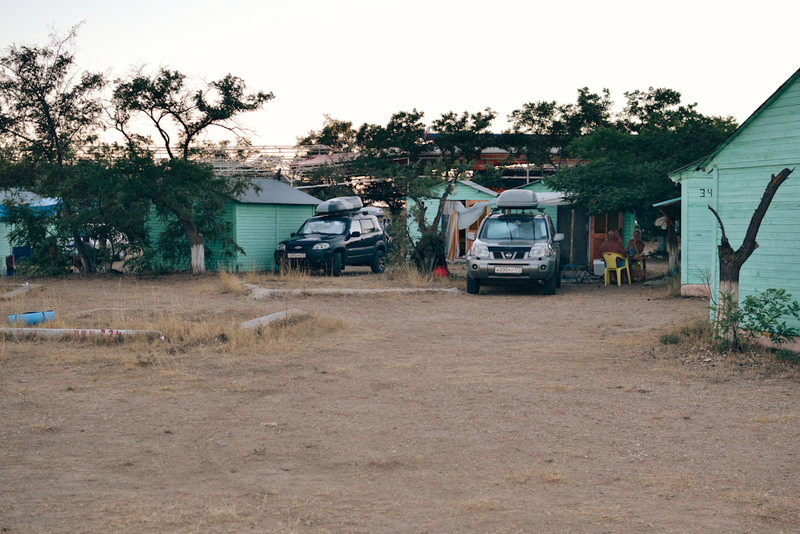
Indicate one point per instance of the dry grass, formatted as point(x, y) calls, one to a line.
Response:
point(230, 283)
point(409, 276)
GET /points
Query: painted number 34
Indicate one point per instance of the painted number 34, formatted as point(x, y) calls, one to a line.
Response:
point(706, 192)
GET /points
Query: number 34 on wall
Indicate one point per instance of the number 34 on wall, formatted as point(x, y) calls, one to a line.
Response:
point(706, 192)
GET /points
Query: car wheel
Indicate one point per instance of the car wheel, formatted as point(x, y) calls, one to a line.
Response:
point(559, 273)
point(336, 264)
point(473, 286)
point(550, 285)
point(378, 262)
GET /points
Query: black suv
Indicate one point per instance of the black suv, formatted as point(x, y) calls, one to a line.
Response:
point(342, 233)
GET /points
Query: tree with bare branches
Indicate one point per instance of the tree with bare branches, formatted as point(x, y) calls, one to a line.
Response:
point(730, 261)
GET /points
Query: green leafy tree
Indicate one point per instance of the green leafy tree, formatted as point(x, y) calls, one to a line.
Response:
point(624, 164)
point(541, 130)
point(49, 111)
point(334, 136)
point(180, 114)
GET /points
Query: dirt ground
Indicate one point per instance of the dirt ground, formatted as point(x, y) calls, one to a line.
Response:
point(437, 411)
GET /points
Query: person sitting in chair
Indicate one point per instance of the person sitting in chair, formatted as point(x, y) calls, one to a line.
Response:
point(613, 243)
point(635, 245)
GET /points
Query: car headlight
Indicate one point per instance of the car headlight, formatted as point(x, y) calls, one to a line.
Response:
point(479, 251)
point(281, 246)
point(322, 246)
point(539, 251)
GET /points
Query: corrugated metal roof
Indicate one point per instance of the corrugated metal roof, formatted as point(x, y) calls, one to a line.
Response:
point(276, 192)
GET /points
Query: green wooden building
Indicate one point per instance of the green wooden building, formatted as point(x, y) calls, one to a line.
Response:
point(465, 195)
point(258, 221)
point(23, 197)
point(732, 180)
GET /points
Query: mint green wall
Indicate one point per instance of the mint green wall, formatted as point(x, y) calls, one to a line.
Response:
point(5, 246)
point(733, 184)
point(257, 228)
point(260, 227)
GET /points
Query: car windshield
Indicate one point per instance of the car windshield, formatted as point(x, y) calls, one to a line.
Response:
point(514, 226)
point(323, 226)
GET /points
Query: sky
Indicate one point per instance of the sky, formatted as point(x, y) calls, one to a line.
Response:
point(364, 60)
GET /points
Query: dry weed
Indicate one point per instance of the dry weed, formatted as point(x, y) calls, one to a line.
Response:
point(518, 478)
point(230, 283)
point(550, 476)
point(409, 276)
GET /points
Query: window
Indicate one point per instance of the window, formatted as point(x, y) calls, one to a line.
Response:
point(367, 226)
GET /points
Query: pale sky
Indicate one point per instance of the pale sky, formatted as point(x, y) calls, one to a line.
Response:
point(363, 60)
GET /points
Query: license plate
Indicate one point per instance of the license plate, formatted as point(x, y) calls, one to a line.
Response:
point(296, 255)
point(508, 270)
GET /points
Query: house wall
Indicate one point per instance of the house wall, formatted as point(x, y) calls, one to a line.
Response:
point(155, 228)
point(5, 247)
point(257, 228)
point(260, 227)
point(733, 184)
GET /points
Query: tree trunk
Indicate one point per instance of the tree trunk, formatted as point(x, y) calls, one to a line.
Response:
point(196, 247)
point(730, 261)
point(672, 249)
point(87, 261)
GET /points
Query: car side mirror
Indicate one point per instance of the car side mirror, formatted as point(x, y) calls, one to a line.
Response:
point(355, 234)
point(558, 237)
point(471, 236)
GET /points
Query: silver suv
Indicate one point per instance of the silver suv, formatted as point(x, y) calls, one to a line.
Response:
point(516, 243)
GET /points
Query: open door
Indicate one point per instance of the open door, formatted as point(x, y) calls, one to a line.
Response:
point(600, 226)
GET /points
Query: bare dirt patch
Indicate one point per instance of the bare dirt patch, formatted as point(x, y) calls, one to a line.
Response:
point(432, 412)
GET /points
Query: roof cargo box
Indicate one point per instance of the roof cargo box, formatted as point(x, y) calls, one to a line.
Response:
point(373, 210)
point(339, 204)
point(517, 199)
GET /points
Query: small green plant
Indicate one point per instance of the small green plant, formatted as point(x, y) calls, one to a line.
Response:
point(695, 334)
point(788, 356)
point(758, 315)
point(670, 339)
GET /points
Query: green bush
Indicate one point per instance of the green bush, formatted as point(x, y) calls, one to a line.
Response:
point(759, 315)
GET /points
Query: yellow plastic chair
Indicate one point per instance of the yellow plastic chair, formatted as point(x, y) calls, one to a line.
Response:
point(611, 265)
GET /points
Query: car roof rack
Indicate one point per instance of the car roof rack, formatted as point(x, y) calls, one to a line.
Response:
point(340, 205)
point(517, 199)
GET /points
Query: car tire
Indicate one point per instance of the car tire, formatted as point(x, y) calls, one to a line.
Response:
point(337, 264)
point(559, 273)
point(550, 285)
point(473, 286)
point(378, 262)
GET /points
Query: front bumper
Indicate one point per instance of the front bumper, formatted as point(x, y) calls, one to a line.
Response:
point(501, 271)
point(311, 258)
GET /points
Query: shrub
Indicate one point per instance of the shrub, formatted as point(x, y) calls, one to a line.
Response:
point(758, 315)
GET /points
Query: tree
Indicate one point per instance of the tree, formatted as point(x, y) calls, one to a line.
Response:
point(624, 164)
point(730, 261)
point(335, 136)
point(49, 115)
point(171, 105)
